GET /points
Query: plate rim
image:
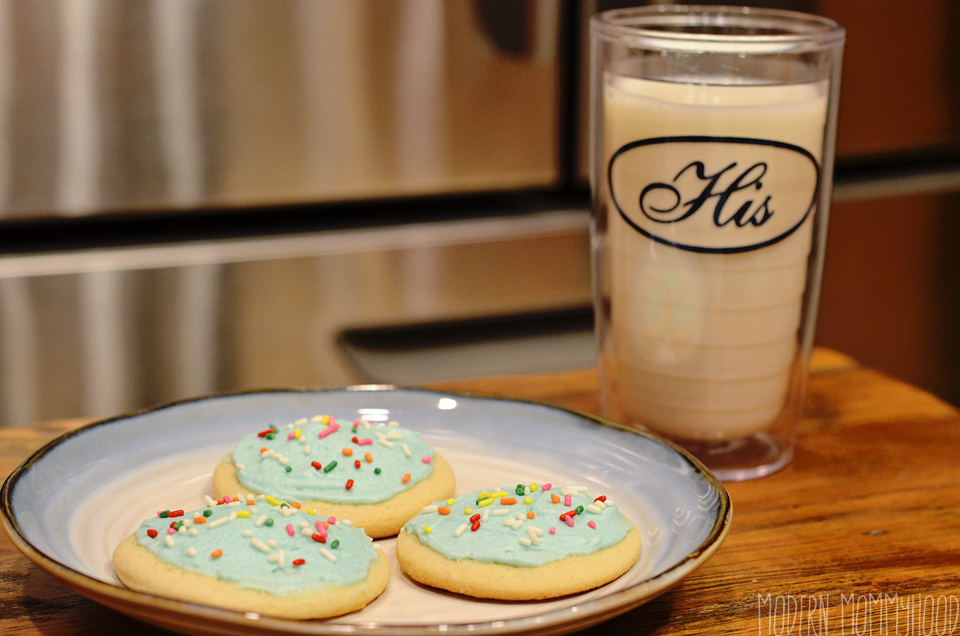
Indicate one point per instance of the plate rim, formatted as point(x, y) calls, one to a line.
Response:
point(576, 616)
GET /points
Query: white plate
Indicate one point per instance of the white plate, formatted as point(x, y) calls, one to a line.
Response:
point(69, 504)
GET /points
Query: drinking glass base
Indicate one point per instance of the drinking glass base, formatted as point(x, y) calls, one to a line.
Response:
point(742, 459)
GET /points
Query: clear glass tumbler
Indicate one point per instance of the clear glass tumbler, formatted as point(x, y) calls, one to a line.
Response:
point(712, 144)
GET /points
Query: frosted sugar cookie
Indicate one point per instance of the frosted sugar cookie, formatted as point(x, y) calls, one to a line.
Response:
point(524, 543)
point(376, 475)
point(259, 556)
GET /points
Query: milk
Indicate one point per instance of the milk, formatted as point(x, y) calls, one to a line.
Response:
point(709, 199)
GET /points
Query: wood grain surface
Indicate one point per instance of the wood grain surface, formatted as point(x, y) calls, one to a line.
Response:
point(860, 534)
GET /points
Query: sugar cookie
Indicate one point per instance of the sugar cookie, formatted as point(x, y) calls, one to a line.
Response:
point(522, 543)
point(254, 556)
point(376, 475)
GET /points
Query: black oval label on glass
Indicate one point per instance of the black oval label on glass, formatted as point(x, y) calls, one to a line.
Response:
point(714, 194)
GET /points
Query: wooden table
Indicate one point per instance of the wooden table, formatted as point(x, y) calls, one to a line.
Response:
point(860, 534)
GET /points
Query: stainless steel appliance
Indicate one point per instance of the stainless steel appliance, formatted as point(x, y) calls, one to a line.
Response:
point(212, 195)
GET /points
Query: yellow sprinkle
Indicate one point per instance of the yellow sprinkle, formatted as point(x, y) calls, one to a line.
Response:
point(467, 511)
point(243, 513)
point(500, 493)
point(427, 529)
point(296, 434)
point(311, 512)
point(486, 502)
point(450, 501)
point(483, 495)
point(325, 419)
point(526, 500)
point(533, 487)
point(272, 500)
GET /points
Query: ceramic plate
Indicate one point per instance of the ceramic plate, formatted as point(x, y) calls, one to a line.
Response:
point(69, 504)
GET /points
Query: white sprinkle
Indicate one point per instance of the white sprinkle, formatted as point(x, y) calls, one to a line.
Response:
point(406, 450)
point(306, 531)
point(346, 522)
point(508, 521)
point(594, 509)
point(577, 489)
point(210, 501)
point(316, 418)
point(219, 522)
point(608, 502)
point(247, 533)
point(385, 442)
point(501, 511)
point(393, 423)
point(281, 558)
point(182, 530)
point(525, 541)
point(461, 529)
point(187, 522)
point(302, 420)
point(233, 504)
point(259, 545)
point(259, 497)
point(192, 551)
point(526, 490)
point(394, 435)
point(282, 460)
point(519, 515)
point(192, 532)
point(241, 467)
point(534, 535)
point(259, 522)
point(303, 440)
point(168, 540)
point(304, 524)
point(328, 554)
point(430, 508)
point(249, 496)
point(600, 505)
point(233, 516)
point(306, 449)
point(253, 509)
point(485, 514)
point(272, 543)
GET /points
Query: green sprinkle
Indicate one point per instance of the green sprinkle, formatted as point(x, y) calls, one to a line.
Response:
point(579, 510)
point(270, 436)
point(376, 471)
point(273, 428)
point(330, 466)
point(207, 512)
point(178, 524)
point(164, 514)
point(520, 489)
point(288, 469)
point(335, 544)
point(268, 522)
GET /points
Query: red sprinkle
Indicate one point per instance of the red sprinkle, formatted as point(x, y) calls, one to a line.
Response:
point(349, 484)
point(175, 513)
point(152, 533)
point(475, 518)
point(298, 561)
point(264, 433)
point(355, 440)
point(318, 538)
point(357, 463)
point(475, 526)
point(600, 498)
point(568, 513)
point(316, 465)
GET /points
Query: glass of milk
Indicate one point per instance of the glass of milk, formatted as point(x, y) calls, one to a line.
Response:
point(713, 133)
